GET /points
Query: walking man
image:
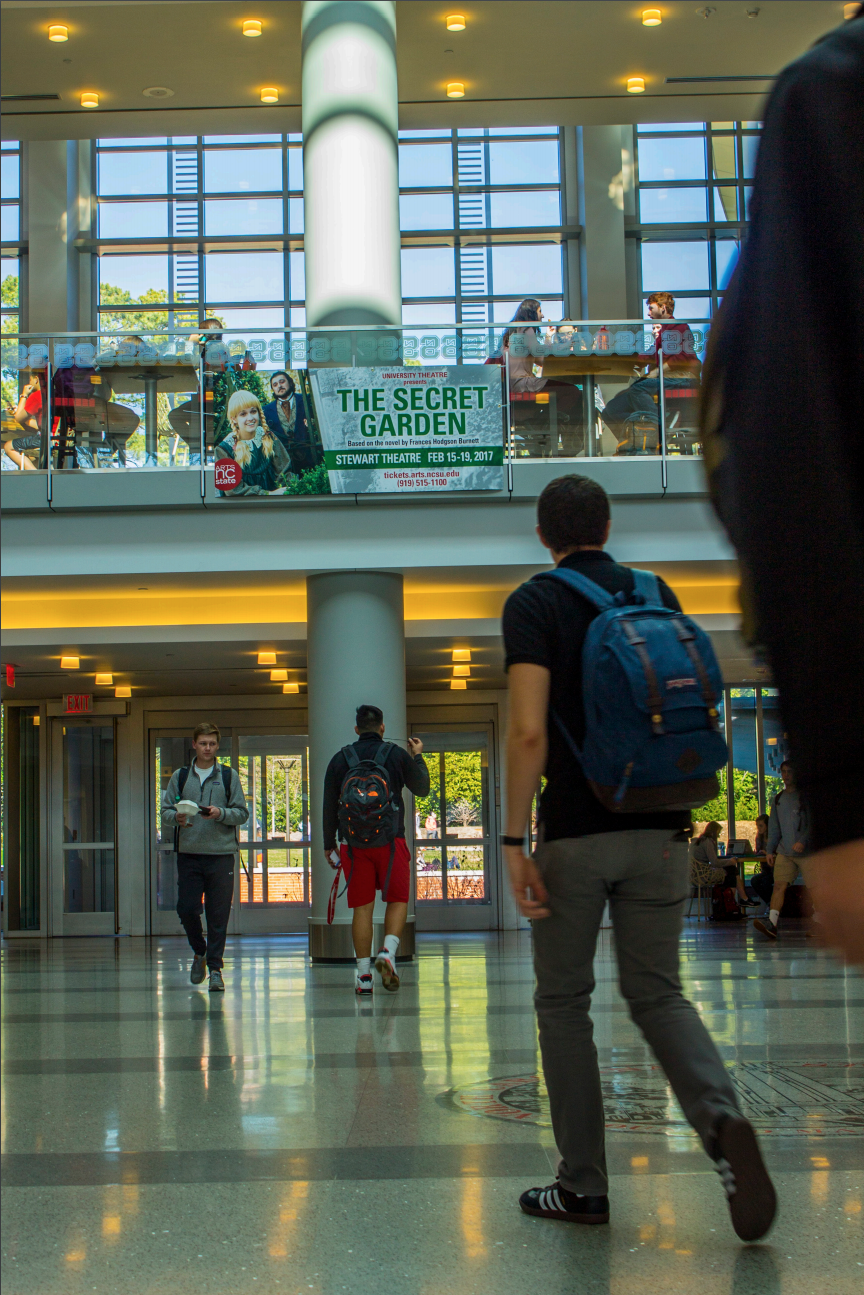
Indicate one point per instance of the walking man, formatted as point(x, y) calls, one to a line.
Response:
point(788, 842)
point(363, 804)
point(590, 855)
point(206, 846)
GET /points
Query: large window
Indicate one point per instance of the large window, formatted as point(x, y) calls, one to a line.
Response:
point(10, 232)
point(694, 181)
point(215, 224)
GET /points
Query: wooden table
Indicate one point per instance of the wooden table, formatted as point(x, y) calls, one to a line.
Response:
point(565, 366)
point(126, 379)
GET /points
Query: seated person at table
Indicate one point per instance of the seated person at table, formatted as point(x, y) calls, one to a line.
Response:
point(704, 851)
point(524, 380)
point(681, 370)
point(287, 419)
point(83, 401)
point(26, 418)
point(263, 459)
point(762, 882)
point(185, 419)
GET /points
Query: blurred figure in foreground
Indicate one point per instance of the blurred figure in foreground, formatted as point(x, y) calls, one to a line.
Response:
point(785, 446)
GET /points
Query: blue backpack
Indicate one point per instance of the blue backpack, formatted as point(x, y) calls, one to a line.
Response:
point(650, 686)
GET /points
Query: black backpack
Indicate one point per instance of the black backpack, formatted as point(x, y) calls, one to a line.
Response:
point(181, 783)
point(368, 807)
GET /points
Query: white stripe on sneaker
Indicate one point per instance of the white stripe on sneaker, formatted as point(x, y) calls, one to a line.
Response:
point(557, 1199)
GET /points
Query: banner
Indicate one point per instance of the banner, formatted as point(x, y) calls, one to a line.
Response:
point(389, 430)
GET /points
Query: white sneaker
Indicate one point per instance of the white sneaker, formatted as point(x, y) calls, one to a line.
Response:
point(386, 969)
point(363, 984)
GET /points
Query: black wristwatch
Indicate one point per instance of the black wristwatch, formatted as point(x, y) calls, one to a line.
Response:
point(513, 840)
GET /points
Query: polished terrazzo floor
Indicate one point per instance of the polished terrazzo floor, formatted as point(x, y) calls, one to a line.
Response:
point(286, 1138)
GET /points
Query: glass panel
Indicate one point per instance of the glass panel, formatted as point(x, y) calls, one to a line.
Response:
point(133, 219)
point(426, 211)
point(750, 149)
point(295, 170)
point(667, 267)
point(243, 216)
point(139, 172)
point(9, 280)
point(745, 771)
point(139, 143)
point(526, 269)
point(244, 276)
point(424, 134)
point(524, 163)
point(650, 127)
point(726, 252)
point(463, 788)
point(724, 157)
point(297, 270)
point(242, 139)
point(672, 159)
point(88, 783)
point(537, 207)
point(671, 205)
point(715, 810)
point(89, 881)
point(274, 774)
point(243, 170)
point(434, 312)
point(428, 272)
point(124, 279)
point(726, 203)
point(453, 815)
point(422, 165)
point(10, 176)
point(10, 223)
point(519, 130)
point(22, 847)
point(466, 877)
point(296, 216)
point(774, 744)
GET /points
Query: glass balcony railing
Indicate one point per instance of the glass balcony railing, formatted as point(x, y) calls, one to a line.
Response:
point(346, 410)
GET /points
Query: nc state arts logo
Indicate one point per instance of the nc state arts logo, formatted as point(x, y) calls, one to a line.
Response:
point(228, 474)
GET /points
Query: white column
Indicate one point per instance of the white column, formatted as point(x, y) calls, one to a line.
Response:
point(47, 266)
point(350, 162)
point(356, 656)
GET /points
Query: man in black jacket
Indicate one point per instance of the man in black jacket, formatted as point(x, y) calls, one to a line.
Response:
point(377, 867)
point(783, 444)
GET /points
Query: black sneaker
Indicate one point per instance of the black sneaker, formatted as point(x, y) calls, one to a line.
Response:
point(199, 968)
point(217, 984)
point(749, 1190)
point(766, 926)
point(555, 1202)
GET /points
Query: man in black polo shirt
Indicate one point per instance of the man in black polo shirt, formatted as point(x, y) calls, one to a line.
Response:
point(589, 855)
point(377, 867)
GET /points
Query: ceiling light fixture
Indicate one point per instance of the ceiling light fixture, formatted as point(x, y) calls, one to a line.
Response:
point(270, 94)
point(651, 17)
point(266, 658)
point(57, 31)
point(458, 685)
point(850, 10)
point(123, 691)
point(278, 676)
point(461, 654)
point(455, 22)
point(455, 90)
point(104, 681)
point(461, 671)
point(158, 92)
point(89, 99)
point(252, 27)
point(290, 687)
point(70, 662)
point(635, 85)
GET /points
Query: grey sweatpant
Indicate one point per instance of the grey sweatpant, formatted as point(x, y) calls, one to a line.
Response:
point(644, 876)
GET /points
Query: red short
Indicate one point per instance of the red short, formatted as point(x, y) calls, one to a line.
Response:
point(369, 873)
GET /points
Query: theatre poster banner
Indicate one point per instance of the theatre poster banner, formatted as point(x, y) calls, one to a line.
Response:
point(393, 431)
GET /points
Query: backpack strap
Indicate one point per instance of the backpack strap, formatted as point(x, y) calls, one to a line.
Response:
point(351, 756)
point(646, 584)
point(382, 753)
point(580, 584)
point(181, 779)
point(226, 780)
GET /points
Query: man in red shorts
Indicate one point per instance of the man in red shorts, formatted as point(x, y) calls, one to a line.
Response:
point(380, 867)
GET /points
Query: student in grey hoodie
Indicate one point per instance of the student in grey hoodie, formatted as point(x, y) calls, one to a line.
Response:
point(207, 849)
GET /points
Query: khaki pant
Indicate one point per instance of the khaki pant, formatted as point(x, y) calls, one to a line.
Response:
point(787, 868)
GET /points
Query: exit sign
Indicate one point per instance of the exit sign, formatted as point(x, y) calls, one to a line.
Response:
point(77, 703)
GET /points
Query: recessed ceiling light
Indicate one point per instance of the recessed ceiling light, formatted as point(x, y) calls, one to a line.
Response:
point(461, 671)
point(123, 691)
point(457, 685)
point(104, 681)
point(57, 31)
point(290, 687)
point(252, 27)
point(158, 92)
point(278, 676)
point(456, 90)
point(651, 17)
point(89, 99)
point(270, 94)
point(455, 22)
point(850, 10)
point(266, 658)
point(461, 654)
point(635, 85)
point(69, 662)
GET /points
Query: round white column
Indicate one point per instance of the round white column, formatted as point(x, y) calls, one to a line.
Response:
point(356, 655)
point(351, 162)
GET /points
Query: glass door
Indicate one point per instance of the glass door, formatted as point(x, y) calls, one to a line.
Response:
point(84, 890)
point(456, 882)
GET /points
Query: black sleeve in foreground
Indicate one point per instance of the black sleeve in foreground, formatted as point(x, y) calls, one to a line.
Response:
point(332, 785)
point(415, 771)
point(526, 627)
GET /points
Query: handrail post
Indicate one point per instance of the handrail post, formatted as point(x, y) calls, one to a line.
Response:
point(201, 423)
point(663, 468)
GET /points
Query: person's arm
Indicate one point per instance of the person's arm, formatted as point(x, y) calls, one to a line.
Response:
point(526, 759)
point(415, 772)
point(711, 851)
point(236, 812)
point(330, 811)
